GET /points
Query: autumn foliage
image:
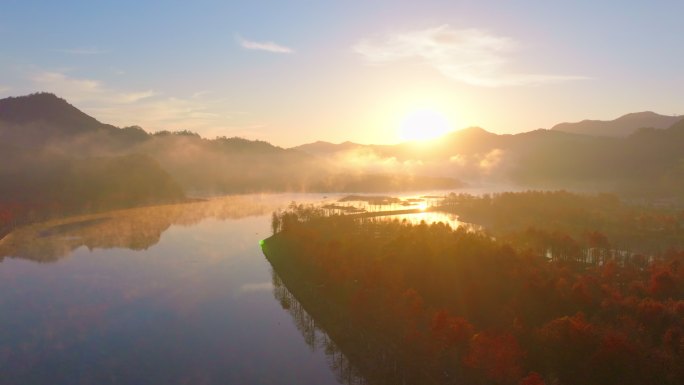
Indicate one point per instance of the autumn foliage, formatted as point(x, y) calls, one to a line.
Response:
point(456, 306)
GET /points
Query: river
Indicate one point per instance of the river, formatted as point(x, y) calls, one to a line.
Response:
point(176, 294)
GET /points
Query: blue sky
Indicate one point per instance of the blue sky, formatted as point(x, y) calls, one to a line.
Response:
point(297, 71)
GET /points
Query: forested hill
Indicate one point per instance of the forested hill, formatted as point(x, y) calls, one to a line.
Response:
point(620, 127)
point(44, 123)
point(647, 163)
point(56, 156)
point(47, 170)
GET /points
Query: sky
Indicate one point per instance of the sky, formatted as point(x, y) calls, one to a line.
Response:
point(293, 72)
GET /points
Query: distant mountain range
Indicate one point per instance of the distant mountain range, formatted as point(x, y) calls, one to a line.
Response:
point(54, 155)
point(649, 162)
point(623, 126)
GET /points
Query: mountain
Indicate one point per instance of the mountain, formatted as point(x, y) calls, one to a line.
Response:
point(620, 127)
point(468, 140)
point(646, 163)
point(50, 146)
point(43, 119)
point(56, 156)
point(40, 132)
point(49, 110)
point(47, 126)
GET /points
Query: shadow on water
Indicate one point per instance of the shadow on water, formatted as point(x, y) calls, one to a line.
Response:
point(135, 229)
point(315, 336)
point(356, 357)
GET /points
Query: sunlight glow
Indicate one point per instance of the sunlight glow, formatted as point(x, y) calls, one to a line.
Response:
point(424, 124)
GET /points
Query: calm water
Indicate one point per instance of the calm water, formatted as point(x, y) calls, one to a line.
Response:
point(164, 295)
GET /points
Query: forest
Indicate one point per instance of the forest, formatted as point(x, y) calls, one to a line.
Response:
point(431, 304)
point(569, 223)
point(34, 188)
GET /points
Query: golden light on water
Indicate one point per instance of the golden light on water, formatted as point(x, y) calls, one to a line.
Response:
point(424, 124)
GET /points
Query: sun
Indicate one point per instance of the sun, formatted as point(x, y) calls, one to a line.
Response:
point(424, 124)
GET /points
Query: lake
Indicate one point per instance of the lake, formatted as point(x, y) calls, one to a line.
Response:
point(176, 294)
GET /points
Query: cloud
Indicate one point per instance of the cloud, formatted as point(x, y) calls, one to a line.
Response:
point(82, 51)
point(4, 89)
point(147, 108)
point(267, 46)
point(459, 159)
point(360, 160)
point(79, 90)
point(491, 160)
point(470, 56)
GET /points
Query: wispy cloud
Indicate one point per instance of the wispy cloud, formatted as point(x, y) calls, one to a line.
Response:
point(76, 90)
point(147, 108)
point(82, 51)
point(470, 56)
point(267, 46)
point(4, 89)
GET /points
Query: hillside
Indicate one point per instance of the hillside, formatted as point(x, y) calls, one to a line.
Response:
point(44, 126)
point(43, 119)
point(620, 127)
point(644, 164)
point(49, 110)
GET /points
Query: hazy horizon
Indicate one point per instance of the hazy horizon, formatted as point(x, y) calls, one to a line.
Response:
point(401, 140)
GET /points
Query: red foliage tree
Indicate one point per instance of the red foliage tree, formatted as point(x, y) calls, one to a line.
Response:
point(662, 284)
point(498, 356)
point(450, 331)
point(532, 379)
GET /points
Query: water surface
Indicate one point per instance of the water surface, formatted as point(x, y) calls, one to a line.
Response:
point(177, 294)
